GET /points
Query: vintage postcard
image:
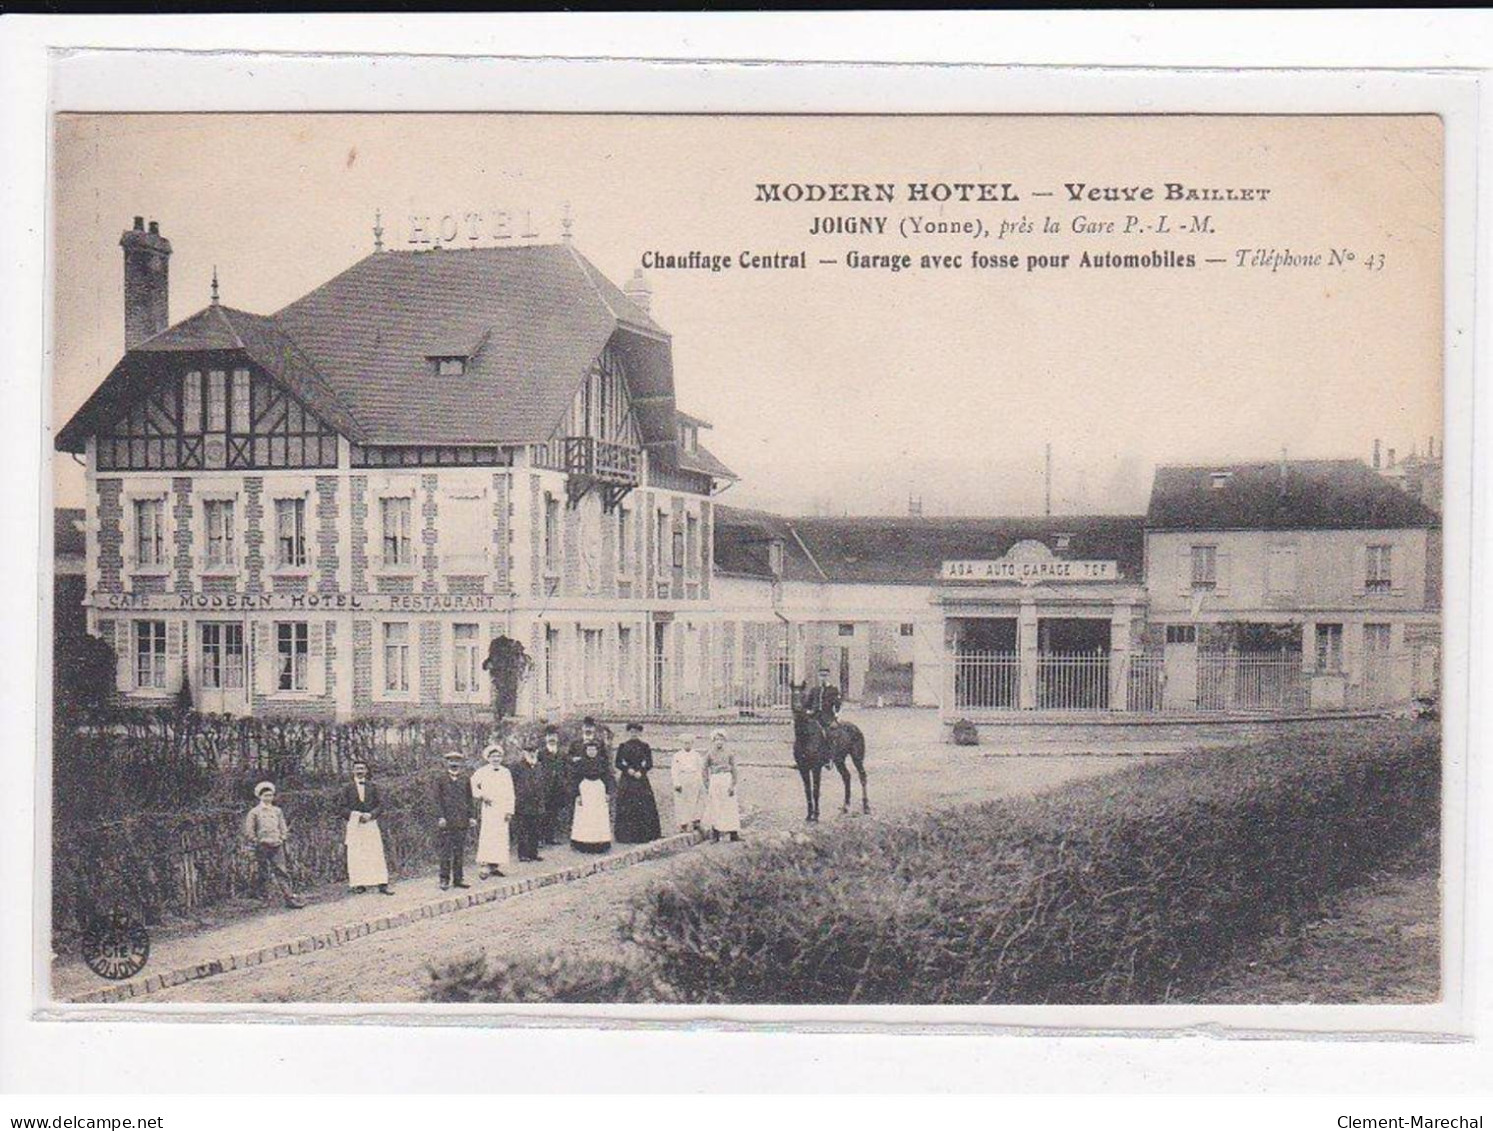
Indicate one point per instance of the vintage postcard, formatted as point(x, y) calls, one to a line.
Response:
point(519, 561)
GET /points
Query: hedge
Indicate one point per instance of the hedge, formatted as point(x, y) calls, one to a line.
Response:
point(148, 808)
point(1133, 887)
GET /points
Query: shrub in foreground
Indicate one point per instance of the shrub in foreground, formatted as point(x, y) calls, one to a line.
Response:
point(1133, 887)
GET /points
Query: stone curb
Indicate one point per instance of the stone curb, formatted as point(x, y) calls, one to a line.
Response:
point(336, 936)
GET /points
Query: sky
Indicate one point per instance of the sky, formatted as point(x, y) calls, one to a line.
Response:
point(839, 389)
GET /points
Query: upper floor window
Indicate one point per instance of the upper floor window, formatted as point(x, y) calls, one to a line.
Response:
point(904, 629)
point(191, 403)
point(150, 654)
point(1205, 567)
point(847, 630)
point(450, 366)
point(624, 539)
point(150, 532)
point(679, 549)
point(396, 525)
point(689, 437)
point(240, 401)
point(290, 531)
point(551, 533)
point(217, 401)
point(1380, 575)
point(218, 519)
point(1280, 570)
point(692, 543)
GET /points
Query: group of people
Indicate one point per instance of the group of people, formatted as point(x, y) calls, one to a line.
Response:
point(535, 799)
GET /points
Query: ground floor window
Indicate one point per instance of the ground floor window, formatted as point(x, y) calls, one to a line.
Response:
point(222, 657)
point(551, 659)
point(1329, 647)
point(150, 654)
point(591, 663)
point(467, 664)
point(1376, 639)
point(624, 664)
point(1181, 634)
point(396, 656)
point(293, 650)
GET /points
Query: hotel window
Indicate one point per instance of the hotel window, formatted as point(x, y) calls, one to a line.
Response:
point(217, 401)
point(1181, 634)
point(218, 518)
point(551, 534)
point(847, 630)
point(293, 650)
point(551, 659)
point(1205, 567)
point(904, 629)
point(397, 656)
point(222, 657)
point(591, 667)
point(191, 403)
point(1379, 577)
point(679, 549)
point(660, 536)
point(396, 522)
point(241, 401)
point(467, 663)
point(290, 531)
point(624, 663)
point(1376, 640)
point(692, 543)
point(150, 654)
point(1329, 647)
point(150, 532)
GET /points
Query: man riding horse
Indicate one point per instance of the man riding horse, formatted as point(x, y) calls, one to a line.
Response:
point(824, 700)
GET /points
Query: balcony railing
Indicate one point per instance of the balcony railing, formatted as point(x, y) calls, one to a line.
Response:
point(601, 460)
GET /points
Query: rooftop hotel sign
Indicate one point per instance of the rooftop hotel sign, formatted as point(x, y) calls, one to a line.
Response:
point(1029, 563)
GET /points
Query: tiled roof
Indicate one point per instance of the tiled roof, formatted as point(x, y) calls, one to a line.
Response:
point(541, 314)
point(1292, 495)
point(358, 348)
point(703, 460)
point(901, 550)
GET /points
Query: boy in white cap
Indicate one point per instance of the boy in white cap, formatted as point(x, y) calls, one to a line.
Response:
point(267, 831)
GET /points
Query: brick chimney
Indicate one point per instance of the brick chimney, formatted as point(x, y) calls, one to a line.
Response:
point(147, 256)
point(639, 291)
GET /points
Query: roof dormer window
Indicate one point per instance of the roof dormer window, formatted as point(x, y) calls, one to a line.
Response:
point(1064, 541)
point(1218, 480)
point(450, 366)
point(689, 437)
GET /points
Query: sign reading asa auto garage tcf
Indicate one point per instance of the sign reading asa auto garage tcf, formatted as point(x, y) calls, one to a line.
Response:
point(1029, 562)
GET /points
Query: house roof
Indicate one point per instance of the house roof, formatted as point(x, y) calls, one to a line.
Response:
point(357, 349)
point(911, 549)
point(1341, 494)
point(68, 539)
point(702, 460)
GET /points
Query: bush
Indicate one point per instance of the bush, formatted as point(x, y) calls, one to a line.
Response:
point(553, 978)
point(1133, 887)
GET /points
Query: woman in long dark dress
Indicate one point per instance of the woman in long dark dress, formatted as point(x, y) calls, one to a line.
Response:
point(637, 811)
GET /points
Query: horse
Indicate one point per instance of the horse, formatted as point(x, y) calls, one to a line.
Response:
point(815, 746)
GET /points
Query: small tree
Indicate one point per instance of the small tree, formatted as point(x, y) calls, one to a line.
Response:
point(184, 702)
point(84, 672)
point(506, 665)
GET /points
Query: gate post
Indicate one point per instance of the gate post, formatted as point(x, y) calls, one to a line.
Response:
point(1026, 649)
point(1119, 658)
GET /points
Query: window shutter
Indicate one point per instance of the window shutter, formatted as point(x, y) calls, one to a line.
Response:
point(316, 657)
point(1221, 572)
point(175, 631)
point(124, 653)
point(1184, 570)
point(264, 657)
point(1360, 569)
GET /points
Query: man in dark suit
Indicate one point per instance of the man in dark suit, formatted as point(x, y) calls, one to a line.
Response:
point(824, 700)
point(557, 799)
point(530, 796)
point(453, 804)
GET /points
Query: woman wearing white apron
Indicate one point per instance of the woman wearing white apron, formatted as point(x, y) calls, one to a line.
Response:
point(591, 786)
point(687, 772)
point(722, 812)
point(366, 866)
point(492, 789)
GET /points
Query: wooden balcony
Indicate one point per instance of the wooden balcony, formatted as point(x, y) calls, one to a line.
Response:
point(589, 462)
